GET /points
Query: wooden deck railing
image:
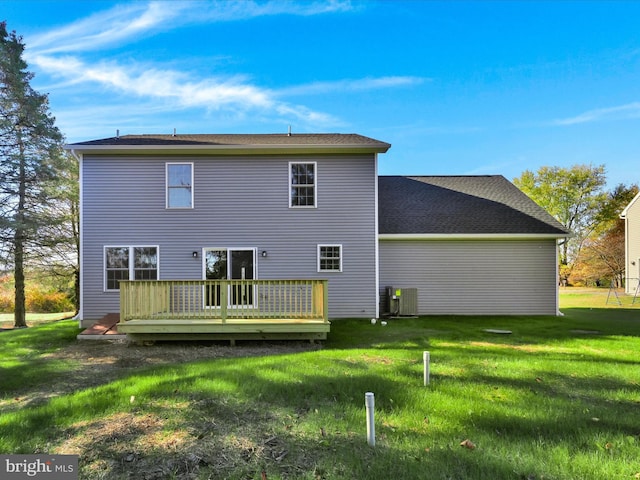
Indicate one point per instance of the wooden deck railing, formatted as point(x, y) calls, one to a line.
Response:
point(224, 300)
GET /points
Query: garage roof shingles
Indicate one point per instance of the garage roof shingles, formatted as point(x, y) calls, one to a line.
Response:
point(460, 205)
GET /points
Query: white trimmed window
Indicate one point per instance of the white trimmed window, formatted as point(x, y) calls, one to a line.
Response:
point(179, 185)
point(129, 263)
point(302, 184)
point(329, 258)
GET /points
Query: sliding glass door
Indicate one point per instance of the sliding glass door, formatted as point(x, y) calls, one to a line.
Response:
point(230, 264)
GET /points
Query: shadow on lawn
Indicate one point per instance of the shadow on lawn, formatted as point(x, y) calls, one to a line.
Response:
point(288, 429)
point(228, 418)
point(22, 360)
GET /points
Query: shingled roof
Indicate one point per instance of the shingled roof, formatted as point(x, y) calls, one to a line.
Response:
point(213, 142)
point(489, 205)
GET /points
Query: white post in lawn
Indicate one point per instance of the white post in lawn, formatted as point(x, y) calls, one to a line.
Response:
point(371, 428)
point(426, 359)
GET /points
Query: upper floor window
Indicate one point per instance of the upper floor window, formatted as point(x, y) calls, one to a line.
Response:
point(179, 185)
point(302, 184)
point(125, 263)
point(329, 258)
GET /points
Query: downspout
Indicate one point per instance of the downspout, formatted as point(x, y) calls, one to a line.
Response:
point(377, 238)
point(557, 280)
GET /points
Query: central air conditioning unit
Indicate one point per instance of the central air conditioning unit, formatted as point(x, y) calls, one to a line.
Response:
point(402, 301)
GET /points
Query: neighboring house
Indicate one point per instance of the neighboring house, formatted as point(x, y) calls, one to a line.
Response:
point(631, 216)
point(306, 206)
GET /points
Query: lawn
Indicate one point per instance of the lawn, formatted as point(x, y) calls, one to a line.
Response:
point(33, 319)
point(558, 398)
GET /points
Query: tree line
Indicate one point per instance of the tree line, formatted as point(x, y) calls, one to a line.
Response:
point(39, 195)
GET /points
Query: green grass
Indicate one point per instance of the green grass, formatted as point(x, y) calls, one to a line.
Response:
point(33, 319)
point(559, 398)
point(24, 360)
point(572, 297)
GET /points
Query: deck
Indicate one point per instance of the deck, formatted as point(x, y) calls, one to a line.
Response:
point(224, 310)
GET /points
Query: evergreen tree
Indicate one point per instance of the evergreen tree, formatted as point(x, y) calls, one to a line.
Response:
point(29, 143)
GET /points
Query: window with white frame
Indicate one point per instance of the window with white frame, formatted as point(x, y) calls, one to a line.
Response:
point(302, 184)
point(179, 185)
point(129, 263)
point(329, 258)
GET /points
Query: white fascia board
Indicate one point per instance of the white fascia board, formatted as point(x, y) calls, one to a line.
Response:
point(223, 149)
point(469, 236)
point(626, 209)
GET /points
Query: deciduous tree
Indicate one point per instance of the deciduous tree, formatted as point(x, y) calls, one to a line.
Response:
point(602, 259)
point(575, 196)
point(55, 249)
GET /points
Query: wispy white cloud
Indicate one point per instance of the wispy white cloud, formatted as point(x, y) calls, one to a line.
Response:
point(176, 90)
point(137, 20)
point(67, 56)
point(630, 110)
point(350, 85)
point(108, 28)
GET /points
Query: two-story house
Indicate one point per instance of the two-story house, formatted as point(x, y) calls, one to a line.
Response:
point(296, 227)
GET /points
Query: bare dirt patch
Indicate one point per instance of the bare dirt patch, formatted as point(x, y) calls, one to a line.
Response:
point(213, 441)
point(100, 362)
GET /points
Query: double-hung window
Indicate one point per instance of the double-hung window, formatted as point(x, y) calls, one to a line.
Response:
point(329, 258)
point(302, 184)
point(179, 185)
point(125, 263)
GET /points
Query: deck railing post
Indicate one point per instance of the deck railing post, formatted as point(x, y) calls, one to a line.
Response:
point(224, 293)
point(325, 301)
point(123, 303)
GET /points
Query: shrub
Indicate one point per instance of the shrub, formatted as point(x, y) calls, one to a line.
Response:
point(6, 300)
point(40, 301)
point(39, 298)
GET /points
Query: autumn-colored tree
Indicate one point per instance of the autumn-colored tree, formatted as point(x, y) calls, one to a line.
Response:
point(602, 258)
point(575, 197)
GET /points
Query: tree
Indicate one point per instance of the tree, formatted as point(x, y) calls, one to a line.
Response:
point(575, 197)
point(602, 258)
point(29, 140)
point(55, 250)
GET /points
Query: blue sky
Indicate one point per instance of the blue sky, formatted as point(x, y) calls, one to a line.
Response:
point(457, 88)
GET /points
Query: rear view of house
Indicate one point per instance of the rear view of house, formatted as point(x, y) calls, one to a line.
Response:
point(244, 208)
point(188, 234)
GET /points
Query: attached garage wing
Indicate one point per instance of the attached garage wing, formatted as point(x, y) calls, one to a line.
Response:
point(474, 277)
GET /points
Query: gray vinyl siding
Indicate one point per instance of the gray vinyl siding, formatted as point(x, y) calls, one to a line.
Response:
point(473, 277)
point(239, 202)
point(633, 246)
